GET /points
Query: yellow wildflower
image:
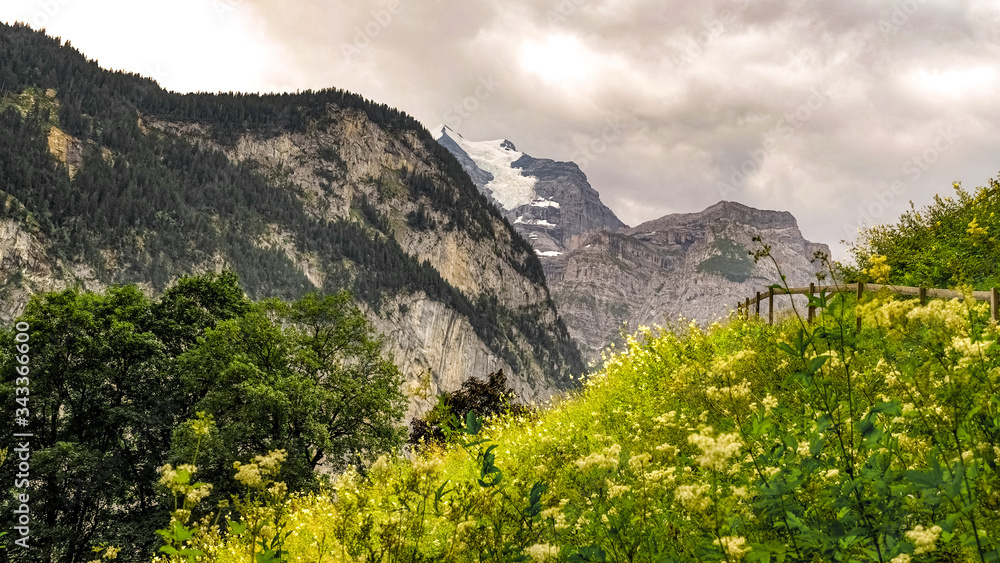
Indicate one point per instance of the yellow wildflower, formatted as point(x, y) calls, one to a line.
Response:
point(879, 269)
point(923, 539)
point(735, 547)
point(715, 451)
point(975, 230)
point(543, 552)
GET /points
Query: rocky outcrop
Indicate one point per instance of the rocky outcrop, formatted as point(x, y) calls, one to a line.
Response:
point(27, 265)
point(565, 206)
point(607, 279)
point(368, 163)
point(678, 268)
point(437, 349)
point(342, 183)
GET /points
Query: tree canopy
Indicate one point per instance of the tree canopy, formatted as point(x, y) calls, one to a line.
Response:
point(114, 378)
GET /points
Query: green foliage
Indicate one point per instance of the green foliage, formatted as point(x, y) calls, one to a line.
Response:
point(103, 402)
point(319, 389)
point(421, 220)
point(373, 216)
point(950, 243)
point(488, 398)
point(446, 200)
point(114, 376)
point(741, 442)
point(186, 496)
point(35, 103)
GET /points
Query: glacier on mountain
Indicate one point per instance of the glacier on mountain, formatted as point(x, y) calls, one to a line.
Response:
point(508, 187)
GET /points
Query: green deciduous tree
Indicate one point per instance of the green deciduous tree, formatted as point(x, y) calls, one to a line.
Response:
point(309, 378)
point(99, 411)
point(114, 376)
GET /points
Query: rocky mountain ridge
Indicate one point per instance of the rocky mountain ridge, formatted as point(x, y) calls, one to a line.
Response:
point(607, 278)
point(693, 266)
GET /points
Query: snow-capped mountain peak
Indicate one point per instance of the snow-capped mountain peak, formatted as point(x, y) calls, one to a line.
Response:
point(547, 201)
point(443, 130)
point(506, 184)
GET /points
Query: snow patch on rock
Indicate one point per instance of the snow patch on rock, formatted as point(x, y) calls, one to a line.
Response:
point(542, 202)
point(539, 222)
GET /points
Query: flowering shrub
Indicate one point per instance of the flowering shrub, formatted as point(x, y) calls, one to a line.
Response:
point(951, 242)
point(742, 442)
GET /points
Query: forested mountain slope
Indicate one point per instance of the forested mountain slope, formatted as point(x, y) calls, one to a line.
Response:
point(107, 178)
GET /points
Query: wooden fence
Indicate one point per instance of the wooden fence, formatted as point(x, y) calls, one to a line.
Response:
point(743, 308)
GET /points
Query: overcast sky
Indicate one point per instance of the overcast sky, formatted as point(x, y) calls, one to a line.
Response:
point(840, 111)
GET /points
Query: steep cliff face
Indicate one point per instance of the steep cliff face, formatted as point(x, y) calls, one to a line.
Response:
point(27, 268)
point(369, 162)
point(435, 345)
point(693, 266)
point(437, 348)
point(314, 191)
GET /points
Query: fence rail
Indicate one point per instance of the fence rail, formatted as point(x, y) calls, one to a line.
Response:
point(860, 288)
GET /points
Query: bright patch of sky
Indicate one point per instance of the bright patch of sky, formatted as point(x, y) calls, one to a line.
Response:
point(561, 60)
point(185, 45)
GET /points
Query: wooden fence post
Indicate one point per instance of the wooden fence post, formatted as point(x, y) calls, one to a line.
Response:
point(995, 304)
point(743, 307)
point(770, 305)
point(857, 305)
point(812, 310)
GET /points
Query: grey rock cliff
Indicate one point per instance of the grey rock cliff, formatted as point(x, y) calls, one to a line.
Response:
point(693, 266)
point(607, 279)
point(579, 207)
point(432, 339)
point(435, 346)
